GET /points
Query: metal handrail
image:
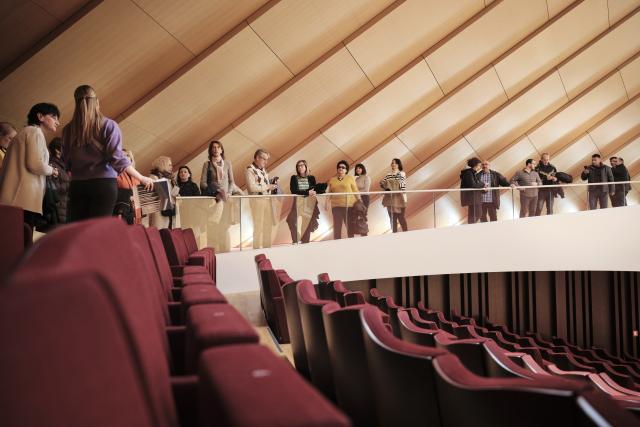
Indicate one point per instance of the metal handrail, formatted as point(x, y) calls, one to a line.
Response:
point(585, 184)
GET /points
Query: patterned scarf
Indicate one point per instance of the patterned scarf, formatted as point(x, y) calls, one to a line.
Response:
point(261, 175)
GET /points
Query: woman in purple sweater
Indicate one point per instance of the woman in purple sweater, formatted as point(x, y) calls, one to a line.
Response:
point(92, 149)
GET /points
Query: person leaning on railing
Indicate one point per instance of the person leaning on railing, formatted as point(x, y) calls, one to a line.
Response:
point(598, 172)
point(217, 181)
point(304, 214)
point(490, 199)
point(395, 203)
point(258, 183)
point(527, 177)
point(472, 199)
point(340, 205)
point(620, 174)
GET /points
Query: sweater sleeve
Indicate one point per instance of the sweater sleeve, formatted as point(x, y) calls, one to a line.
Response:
point(36, 161)
point(502, 181)
point(113, 146)
point(233, 188)
point(293, 185)
point(612, 188)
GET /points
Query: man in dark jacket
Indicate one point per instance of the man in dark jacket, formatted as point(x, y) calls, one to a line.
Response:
point(620, 173)
point(472, 199)
point(491, 199)
point(547, 173)
point(598, 172)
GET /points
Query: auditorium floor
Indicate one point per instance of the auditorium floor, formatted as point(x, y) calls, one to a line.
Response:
point(248, 303)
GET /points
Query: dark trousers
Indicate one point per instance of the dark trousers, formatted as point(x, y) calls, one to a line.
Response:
point(528, 205)
point(474, 213)
point(32, 219)
point(598, 197)
point(618, 199)
point(397, 217)
point(92, 198)
point(340, 217)
point(490, 210)
point(545, 196)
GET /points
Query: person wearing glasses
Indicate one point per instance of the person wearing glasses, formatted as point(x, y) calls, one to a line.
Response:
point(490, 199)
point(340, 205)
point(304, 214)
point(258, 184)
point(26, 165)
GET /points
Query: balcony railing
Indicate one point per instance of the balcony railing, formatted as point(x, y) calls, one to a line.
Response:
point(233, 224)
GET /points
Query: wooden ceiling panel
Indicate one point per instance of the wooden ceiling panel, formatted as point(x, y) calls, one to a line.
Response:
point(618, 128)
point(514, 157)
point(619, 8)
point(122, 60)
point(22, 24)
point(199, 23)
point(207, 98)
point(552, 45)
point(385, 111)
point(60, 9)
point(444, 123)
point(574, 155)
point(631, 76)
point(321, 156)
point(308, 104)
point(378, 163)
point(557, 6)
point(513, 120)
point(462, 56)
point(407, 32)
point(580, 115)
point(599, 58)
point(443, 169)
point(299, 31)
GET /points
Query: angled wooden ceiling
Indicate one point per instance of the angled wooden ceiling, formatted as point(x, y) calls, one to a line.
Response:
point(428, 81)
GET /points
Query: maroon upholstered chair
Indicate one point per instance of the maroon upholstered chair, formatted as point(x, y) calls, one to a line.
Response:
point(13, 238)
point(255, 388)
point(315, 341)
point(348, 362)
point(85, 366)
point(273, 301)
point(192, 249)
point(178, 256)
point(294, 326)
point(202, 334)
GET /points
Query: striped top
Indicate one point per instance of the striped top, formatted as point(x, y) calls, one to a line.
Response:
point(400, 176)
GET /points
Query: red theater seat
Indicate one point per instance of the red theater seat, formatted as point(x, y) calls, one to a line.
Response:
point(272, 300)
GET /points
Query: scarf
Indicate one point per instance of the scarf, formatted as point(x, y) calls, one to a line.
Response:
point(260, 174)
point(218, 169)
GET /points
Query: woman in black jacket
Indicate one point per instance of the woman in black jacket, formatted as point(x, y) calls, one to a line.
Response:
point(303, 184)
point(188, 188)
point(472, 199)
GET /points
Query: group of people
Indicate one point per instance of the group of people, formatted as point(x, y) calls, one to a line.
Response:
point(481, 195)
point(87, 173)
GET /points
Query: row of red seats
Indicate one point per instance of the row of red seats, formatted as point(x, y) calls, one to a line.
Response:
point(347, 349)
point(493, 353)
point(100, 326)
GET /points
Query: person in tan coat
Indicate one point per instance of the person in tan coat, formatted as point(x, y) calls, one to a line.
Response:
point(26, 165)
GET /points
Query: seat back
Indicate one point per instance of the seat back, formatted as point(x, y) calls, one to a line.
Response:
point(170, 244)
point(310, 307)
point(159, 256)
point(273, 301)
point(13, 238)
point(294, 325)
point(104, 247)
point(87, 370)
point(190, 240)
point(402, 377)
point(350, 375)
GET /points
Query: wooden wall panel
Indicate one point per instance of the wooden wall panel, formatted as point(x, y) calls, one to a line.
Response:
point(619, 8)
point(587, 308)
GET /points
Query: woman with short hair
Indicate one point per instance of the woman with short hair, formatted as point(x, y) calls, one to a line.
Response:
point(26, 165)
point(340, 205)
point(304, 214)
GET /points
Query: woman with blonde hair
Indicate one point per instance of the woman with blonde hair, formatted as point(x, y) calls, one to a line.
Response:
point(162, 167)
point(92, 147)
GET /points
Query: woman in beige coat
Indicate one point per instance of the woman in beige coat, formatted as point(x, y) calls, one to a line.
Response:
point(22, 182)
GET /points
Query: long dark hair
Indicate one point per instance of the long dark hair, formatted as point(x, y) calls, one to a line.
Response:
point(399, 163)
point(178, 175)
point(361, 166)
point(211, 148)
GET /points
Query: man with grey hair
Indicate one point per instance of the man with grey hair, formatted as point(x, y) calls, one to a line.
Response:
point(258, 184)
